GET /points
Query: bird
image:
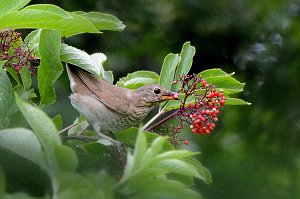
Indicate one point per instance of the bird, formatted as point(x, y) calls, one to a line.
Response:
point(110, 108)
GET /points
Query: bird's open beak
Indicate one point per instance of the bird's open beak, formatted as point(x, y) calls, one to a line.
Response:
point(171, 96)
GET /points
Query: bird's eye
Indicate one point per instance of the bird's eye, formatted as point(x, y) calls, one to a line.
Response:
point(156, 90)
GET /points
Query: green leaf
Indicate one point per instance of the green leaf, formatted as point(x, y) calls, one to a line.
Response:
point(186, 60)
point(103, 21)
point(212, 73)
point(40, 123)
point(168, 70)
point(44, 129)
point(227, 83)
point(24, 143)
point(47, 16)
point(77, 129)
point(9, 5)
point(174, 154)
point(66, 158)
point(128, 137)
point(140, 150)
point(58, 121)
point(13, 73)
point(95, 149)
point(2, 184)
point(50, 67)
point(138, 79)
point(109, 76)
point(161, 188)
point(236, 101)
point(177, 166)
point(203, 171)
point(175, 104)
point(79, 58)
point(154, 149)
point(32, 40)
point(50, 8)
point(99, 59)
point(26, 77)
point(6, 97)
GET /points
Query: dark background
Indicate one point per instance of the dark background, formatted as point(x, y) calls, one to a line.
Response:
point(254, 153)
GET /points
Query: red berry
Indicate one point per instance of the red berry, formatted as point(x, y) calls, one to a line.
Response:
point(175, 81)
point(203, 119)
point(180, 127)
point(194, 130)
point(203, 83)
point(186, 142)
point(222, 102)
point(216, 94)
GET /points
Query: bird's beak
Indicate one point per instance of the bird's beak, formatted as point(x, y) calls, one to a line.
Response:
point(170, 96)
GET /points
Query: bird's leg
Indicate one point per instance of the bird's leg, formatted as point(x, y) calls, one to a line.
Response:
point(103, 136)
point(67, 128)
point(84, 128)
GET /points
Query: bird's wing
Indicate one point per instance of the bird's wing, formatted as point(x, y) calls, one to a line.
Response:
point(112, 96)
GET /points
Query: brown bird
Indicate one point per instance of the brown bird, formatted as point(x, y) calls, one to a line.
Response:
point(108, 107)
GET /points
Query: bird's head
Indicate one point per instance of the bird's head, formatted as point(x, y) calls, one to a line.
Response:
point(152, 94)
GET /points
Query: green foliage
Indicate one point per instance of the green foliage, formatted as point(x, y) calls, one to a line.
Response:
point(48, 16)
point(6, 97)
point(50, 67)
point(149, 164)
point(138, 79)
point(167, 172)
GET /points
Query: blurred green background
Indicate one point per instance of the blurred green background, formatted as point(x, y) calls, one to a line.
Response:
point(255, 152)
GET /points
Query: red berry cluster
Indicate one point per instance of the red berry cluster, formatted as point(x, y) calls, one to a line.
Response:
point(205, 112)
point(15, 53)
point(202, 113)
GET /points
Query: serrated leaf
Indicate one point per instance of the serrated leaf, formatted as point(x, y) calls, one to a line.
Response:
point(6, 97)
point(79, 58)
point(9, 5)
point(138, 79)
point(24, 143)
point(32, 41)
point(50, 66)
point(50, 8)
point(103, 21)
point(168, 70)
point(227, 83)
point(236, 101)
point(26, 78)
point(212, 73)
point(47, 16)
point(186, 60)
